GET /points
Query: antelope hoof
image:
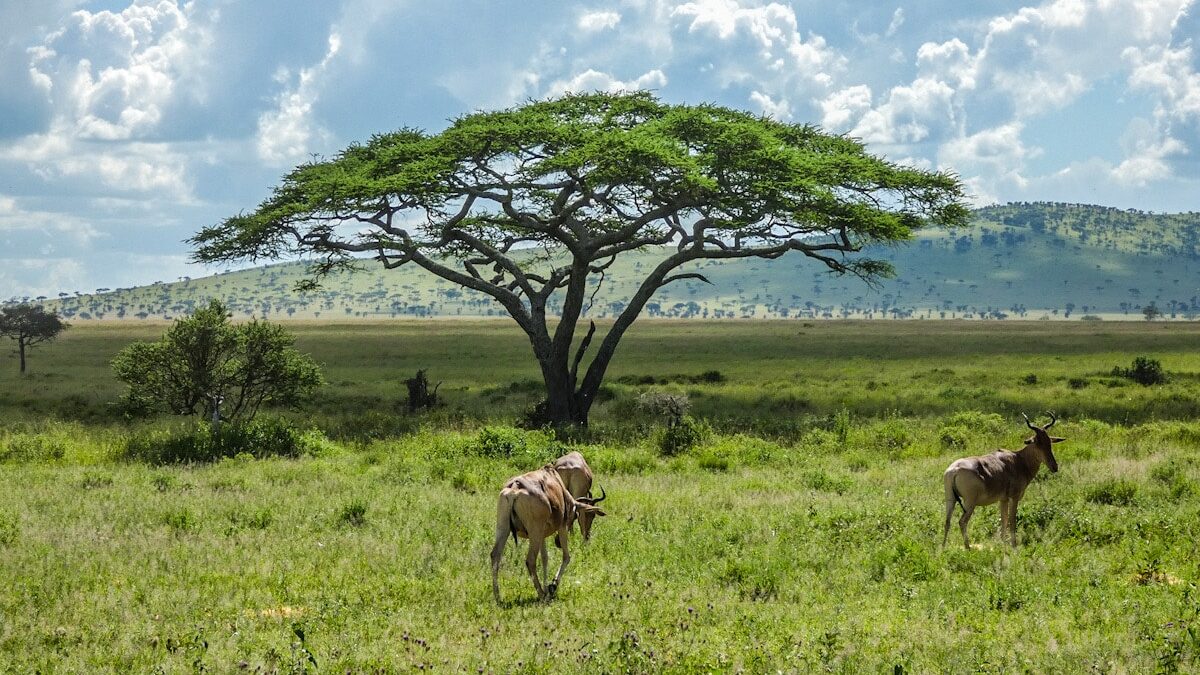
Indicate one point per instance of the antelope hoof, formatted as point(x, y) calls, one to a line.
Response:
point(551, 591)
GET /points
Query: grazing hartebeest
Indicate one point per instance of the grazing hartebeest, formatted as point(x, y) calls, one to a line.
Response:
point(536, 505)
point(1001, 477)
point(577, 476)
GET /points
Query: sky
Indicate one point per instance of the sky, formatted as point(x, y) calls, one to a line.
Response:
point(125, 127)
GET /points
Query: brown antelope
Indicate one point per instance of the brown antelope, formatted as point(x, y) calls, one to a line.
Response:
point(577, 476)
point(534, 506)
point(1001, 477)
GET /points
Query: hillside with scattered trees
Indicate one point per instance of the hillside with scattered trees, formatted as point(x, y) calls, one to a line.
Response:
point(1016, 261)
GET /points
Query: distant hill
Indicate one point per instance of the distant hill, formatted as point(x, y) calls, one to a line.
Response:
point(1027, 260)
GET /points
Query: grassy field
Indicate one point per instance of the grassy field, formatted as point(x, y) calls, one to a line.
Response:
point(801, 535)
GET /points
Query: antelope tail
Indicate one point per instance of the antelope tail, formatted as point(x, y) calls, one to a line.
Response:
point(954, 489)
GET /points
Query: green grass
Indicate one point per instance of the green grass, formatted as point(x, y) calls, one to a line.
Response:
point(801, 535)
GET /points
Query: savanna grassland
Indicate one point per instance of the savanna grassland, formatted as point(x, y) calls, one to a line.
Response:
point(799, 533)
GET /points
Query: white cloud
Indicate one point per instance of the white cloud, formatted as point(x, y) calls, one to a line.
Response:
point(594, 80)
point(109, 77)
point(896, 23)
point(594, 22)
point(921, 111)
point(841, 109)
point(286, 134)
point(779, 110)
point(773, 29)
point(110, 74)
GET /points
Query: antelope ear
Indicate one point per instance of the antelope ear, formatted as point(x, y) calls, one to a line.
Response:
point(1055, 439)
point(1030, 440)
point(594, 510)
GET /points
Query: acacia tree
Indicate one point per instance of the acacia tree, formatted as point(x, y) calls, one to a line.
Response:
point(532, 205)
point(29, 325)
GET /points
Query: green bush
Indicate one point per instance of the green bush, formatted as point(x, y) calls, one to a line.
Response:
point(497, 442)
point(353, 513)
point(682, 436)
point(978, 422)
point(199, 443)
point(955, 437)
point(1145, 371)
point(32, 448)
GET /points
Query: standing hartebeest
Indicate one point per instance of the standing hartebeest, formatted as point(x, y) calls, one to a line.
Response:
point(536, 505)
point(1001, 477)
point(577, 476)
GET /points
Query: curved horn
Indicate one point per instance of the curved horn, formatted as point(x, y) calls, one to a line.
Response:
point(1053, 419)
point(599, 499)
point(1030, 424)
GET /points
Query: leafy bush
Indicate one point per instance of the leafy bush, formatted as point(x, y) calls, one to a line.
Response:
point(204, 365)
point(1077, 383)
point(684, 435)
point(978, 422)
point(353, 513)
point(498, 442)
point(1030, 379)
point(1145, 371)
point(955, 436)
point(32, 448)
point(199, 443)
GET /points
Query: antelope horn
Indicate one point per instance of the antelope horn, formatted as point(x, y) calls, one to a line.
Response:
point(1053, 419)
point(1030, 424)
point(599, 499)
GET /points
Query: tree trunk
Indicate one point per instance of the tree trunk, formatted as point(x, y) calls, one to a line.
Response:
point(562, 403)
point(21, 351)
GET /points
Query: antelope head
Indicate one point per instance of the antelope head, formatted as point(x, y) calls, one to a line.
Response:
point(1044, 441)
point(587, 515)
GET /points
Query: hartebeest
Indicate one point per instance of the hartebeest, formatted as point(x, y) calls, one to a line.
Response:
point(577, 476)
point(534, 506)
point(1001, 477)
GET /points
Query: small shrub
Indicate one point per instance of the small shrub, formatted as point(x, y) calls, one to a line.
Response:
point(1029, 379)
point(497, 442)
point(954, 437)
point(353, 514)
point(892, 436)
point(1114, 492)
point(684, 435)
point(1145, 371)
point(164, 482)
point(9, 528)
point(32, 448)
point(180, 520)
point(710, 377)
point(710, 460)
point(674, 407)
point(823, 482)
point(978, 422)
point(1077, 383)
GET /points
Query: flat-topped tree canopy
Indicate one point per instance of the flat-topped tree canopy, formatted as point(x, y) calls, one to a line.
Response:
point(537, 201)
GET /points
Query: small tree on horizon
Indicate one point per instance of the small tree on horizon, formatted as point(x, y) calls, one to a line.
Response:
point(532, 205)
point(29, 325)
point(206, 365)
